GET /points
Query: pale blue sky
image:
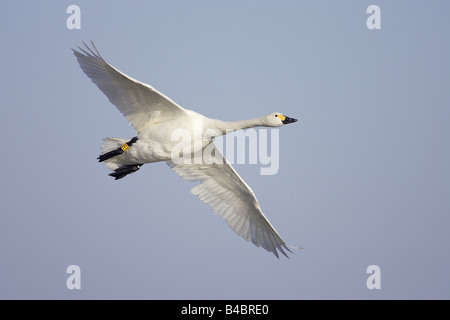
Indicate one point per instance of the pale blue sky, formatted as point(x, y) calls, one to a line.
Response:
point(364, 175)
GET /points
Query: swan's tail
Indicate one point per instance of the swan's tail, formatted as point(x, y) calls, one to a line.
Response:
point(112, 148)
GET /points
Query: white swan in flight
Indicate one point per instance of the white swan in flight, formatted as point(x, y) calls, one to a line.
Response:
point(155, 117)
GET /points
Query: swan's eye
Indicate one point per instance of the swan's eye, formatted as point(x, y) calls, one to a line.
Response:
point(276, 115)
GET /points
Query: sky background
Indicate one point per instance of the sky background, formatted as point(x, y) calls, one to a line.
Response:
point(364, 175)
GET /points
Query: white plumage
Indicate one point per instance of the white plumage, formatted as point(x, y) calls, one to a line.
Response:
point(155, 118)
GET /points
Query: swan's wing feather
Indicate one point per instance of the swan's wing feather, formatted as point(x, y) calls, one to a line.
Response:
point(140, 103)
point(231, 198)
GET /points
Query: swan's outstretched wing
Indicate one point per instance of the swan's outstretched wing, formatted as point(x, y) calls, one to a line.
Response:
point(140, 103)
point(231, 198)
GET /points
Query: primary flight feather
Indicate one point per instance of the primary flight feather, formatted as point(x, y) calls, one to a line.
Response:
point(156, 118)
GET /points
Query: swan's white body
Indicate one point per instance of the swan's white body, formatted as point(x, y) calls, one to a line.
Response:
point(155, 117)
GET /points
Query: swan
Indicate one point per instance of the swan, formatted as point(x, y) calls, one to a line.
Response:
point(155, 117)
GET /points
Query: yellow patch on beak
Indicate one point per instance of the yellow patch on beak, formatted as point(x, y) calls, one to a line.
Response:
point(282, 118)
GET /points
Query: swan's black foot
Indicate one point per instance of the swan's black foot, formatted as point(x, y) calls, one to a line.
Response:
point(109, 155)
point(118, 151)
point(124, 170)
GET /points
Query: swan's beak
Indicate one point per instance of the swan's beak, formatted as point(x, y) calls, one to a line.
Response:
point(289, 120)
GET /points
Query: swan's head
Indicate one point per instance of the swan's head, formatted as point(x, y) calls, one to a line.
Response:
point(277, 119)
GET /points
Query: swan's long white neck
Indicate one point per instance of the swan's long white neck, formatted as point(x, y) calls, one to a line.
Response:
point(230, 126)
